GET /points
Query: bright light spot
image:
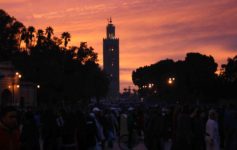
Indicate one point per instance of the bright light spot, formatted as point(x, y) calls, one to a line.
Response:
point(150, 85)
point(171, 80)
point(18, 86)
point(38, 86)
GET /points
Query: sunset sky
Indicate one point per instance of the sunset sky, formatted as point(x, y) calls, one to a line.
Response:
point(149, 30)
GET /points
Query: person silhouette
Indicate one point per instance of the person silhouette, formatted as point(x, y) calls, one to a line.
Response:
point(9, 131)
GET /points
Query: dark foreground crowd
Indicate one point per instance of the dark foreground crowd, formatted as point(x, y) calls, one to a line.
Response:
point(173, 127)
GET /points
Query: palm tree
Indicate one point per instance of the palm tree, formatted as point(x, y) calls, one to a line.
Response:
point(66, 37)
point(49, 32)
point(25, 37)
point(31, 31)
point(40, 35)
point(16, 32)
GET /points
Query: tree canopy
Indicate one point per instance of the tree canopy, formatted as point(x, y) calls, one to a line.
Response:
point(229, 77)
point(10, 30)
point(191, 78)
point(64, 73)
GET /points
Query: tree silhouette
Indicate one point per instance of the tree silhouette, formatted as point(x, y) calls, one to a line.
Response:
point(25, 37)
point(193, 78)
point(229, 78)
point(230, 69)
point(57, 41)
point(40, 36)
point(10, 30)
point(66, 37)
point(63, 74)
point(49, 32)
point(16, 30)
point(31, 31)
point(85, 54)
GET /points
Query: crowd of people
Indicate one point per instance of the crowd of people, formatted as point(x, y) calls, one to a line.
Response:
point(169, 127)
point(186, 127)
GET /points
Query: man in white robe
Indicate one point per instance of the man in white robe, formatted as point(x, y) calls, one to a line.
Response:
point(212, 132)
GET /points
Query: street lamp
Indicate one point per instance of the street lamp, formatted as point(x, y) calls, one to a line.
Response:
point(171, 80)
point(150, 85)
point(15, 78)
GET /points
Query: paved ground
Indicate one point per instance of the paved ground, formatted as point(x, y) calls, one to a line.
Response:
point(140, 146)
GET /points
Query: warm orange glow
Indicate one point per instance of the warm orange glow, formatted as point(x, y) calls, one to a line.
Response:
point(148, 31)
point(171, 80)
point(22, 45)
point(18, 86)
point(218, 72)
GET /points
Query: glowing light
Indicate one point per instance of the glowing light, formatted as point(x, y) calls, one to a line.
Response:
point(18, 86)
point(171, 80)
point(150, 85)
point(38, 86)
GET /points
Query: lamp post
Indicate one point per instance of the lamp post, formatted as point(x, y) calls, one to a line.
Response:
point(171, 80)
point(37, 94)
point(171, 90)
point(15, 78)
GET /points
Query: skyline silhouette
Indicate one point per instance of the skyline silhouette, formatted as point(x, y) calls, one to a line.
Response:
point(149, 31)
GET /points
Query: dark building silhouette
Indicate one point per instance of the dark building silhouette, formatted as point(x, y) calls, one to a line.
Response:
point(111, 59)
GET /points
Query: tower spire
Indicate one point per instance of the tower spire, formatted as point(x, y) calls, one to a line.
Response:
point(110, 20)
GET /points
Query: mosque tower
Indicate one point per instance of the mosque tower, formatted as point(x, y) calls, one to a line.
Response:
point(111, 59)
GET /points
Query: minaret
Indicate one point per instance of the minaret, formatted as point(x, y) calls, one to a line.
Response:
point(111, 59)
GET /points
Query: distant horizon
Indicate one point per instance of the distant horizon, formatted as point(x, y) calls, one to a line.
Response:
point(149, 30)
